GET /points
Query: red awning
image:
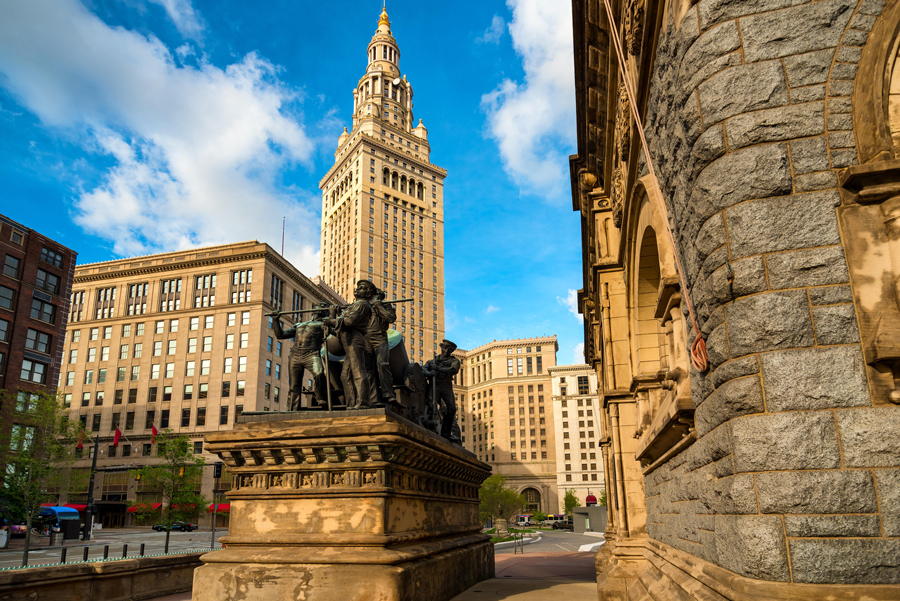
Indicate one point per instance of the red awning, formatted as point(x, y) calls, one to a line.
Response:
point(591, 499)
point(223, 508)
point(144, 507)
point(76, 507)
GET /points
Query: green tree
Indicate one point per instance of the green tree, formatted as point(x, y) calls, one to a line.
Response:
point(570, 501)
point(498, 501)
point(35, 454)
point(601, 498)
point(176, 478)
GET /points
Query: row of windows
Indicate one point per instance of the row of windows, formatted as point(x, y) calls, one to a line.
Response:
point(165, 394)
point(127, 420)
point(156, 370)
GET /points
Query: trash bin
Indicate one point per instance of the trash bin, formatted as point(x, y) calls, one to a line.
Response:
point(71, 529)
point(56, 538)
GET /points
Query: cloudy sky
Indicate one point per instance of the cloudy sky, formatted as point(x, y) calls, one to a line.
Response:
point(130, 127)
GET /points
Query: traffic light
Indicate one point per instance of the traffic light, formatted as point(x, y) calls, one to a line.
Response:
point(217, 469)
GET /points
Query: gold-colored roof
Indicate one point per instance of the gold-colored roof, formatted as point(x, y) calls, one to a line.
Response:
point(383, 19)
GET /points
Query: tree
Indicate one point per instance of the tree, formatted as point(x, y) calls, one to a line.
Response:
point(601, 498)
point(539, 516)
point(498, 501)
point(35, 453)
point(570, 501)
point(176, 478)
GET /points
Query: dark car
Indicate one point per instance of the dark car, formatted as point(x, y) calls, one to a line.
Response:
point(183, 526)
point(567, 525)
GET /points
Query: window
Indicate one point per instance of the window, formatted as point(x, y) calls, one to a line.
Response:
point(160, 327)
point(189, 369)
point(154, 372)
point(278, 349)
point(172, 347)
point(151, 394)
point(228, 364)
point(192, 345)
point(7, 298)
point(583, 387)
point(104, 353)
point(223, 416)
point(198, 446)
point(51, 257)
point(226, 389)
point(242, 364)
point(140, 330)
point(157, 348)
point(207, 344)
point(240, 388)
point(129, 420)
point(5, 331)
point(47, 281)
point(195, 323)
point(85, 399)
point(229, 342)
point(277, 394)
point(277, 371)
point(245, 339)
point(204, 367)
point(135, 373)
point(11, 266)
point(123, 352)
point(117, 397)
point(43, 311)
point(126, 330)
point(201, 416)
point(170, 370)
point(185, 418)
point(164, 419)
point(245, 318)
point(268, 367)
point(231, 319)
point(173, 325)
point(188, 392)
point(33, 371)
point(38, 341)
point(203, 391)
point(138, 350)
point(148, 449)
point(209, 321)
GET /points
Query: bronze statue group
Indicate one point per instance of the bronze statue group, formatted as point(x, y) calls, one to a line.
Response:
point(358, 362)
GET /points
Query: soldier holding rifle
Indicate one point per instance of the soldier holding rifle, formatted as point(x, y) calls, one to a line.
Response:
point(441, 370)
point(309, 336)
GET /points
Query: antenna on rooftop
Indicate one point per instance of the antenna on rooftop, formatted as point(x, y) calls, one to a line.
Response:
point(282, 235)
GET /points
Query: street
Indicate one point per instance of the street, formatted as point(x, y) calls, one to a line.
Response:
point(154, 543)
point(556, 541)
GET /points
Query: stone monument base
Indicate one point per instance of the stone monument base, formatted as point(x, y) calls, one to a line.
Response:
point(355, 505)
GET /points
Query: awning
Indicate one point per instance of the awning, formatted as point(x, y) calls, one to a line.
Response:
point(144, 507)
point(76, 507)
point(223, 508)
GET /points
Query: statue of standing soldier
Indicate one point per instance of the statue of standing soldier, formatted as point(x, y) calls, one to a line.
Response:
point(351, 327)
point(441, 370)
point(305, 354)
point(383, 315)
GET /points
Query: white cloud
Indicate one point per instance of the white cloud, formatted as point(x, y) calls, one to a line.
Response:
point(491, 309)
point(183, 16)
point(533, 122)
point(578, 354)
point(494, 33)
point(198, 151)
point(570, 302)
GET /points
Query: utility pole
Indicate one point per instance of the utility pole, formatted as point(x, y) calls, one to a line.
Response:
point(217, 473)
point(90, 509)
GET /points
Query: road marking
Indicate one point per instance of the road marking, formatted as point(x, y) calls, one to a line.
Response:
point(591, 547)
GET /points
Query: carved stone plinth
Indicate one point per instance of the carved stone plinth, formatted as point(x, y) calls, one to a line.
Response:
point(346, 508)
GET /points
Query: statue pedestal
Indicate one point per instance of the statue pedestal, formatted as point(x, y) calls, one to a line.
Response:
point(348, 505)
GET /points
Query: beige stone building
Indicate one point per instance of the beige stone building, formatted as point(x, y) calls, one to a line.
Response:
point(383, 202)
point(506, 416)
point(176, 340)
point(576, 414)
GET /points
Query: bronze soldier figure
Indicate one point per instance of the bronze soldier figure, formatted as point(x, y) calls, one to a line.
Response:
point(351, 328)
point(442, 369)
point(305, 355)
point(383, 315)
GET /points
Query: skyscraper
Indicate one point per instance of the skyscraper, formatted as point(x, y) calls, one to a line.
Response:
point(382, 201)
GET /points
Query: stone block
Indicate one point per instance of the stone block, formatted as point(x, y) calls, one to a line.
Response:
point(708, 449)
point(749, 276)
point(717, 347)
point(869, 436)
point(796, 30)
point(809, 68)
point(835, 324)
point(708, 147)
point(741, 89)
point(841, 139)
point(831, 525)
point(715, 319)
point(871, 7)
point(701, 386)
point(752, 546)
point(840, 87)
point(736, 368)
point(741, 396)
point(888, 484)
point(846, 561)
point(808, 267)
point(841, 105)
point(809, 155)
point(708, 48)
point(839, 121)
point(734, 178)
point(770, 224)
point(775, 125)
point(810, 182)
point(844, 71)
point(830, 295)
point(814, 491)
point(800, 440)
point(855, 38)
point(734, 495)
point(807, 94)
point(769, 321)
point(816, 378)
point(711, 236)
point(712, 263)
point(863, 22)
point(843, 158)
point(716, 11)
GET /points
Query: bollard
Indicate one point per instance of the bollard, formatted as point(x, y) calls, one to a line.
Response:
point(85, 554)
point(124, 551)
point(62, 559)
point(142, 549)
point(105, 551)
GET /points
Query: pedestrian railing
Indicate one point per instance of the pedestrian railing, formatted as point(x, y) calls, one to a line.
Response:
point(85, 556)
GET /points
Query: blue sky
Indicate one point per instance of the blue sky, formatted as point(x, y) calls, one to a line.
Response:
point(131, 127)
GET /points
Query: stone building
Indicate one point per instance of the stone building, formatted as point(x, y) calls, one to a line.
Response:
point(506, 417)
point(383, 202)
point(773, 471)
point(576, 415)
point(177, 340)
point(34, 288)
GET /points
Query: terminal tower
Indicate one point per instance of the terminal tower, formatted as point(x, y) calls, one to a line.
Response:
point(383, 201)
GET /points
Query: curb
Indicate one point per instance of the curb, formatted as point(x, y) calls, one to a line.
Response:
point(527, 541)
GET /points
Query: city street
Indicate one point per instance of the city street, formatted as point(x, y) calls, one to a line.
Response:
point(154, 543)
point(556, 541)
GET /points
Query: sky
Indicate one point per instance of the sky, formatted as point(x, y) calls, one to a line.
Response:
point(131, 127)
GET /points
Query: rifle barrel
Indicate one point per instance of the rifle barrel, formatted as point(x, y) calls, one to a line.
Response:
point(300, 311)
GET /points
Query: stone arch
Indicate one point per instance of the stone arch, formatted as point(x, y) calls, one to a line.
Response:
point(386, 176)
point(533, 499)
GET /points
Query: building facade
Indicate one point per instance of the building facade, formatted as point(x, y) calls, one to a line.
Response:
point(177, 341)
point(505, 414)
point(34, 290)
point(760, 219)
point(576, 414)
point(383, 202)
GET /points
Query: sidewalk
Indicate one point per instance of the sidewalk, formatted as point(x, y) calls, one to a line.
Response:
point(529, 577)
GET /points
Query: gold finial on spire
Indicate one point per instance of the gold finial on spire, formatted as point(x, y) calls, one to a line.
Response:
point(383, 19)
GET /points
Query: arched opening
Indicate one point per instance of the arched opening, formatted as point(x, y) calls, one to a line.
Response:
point(421, 191)
point(395, 180)
point(403, 183)
point(385, 176)
point(650, 334)
point(532, 500)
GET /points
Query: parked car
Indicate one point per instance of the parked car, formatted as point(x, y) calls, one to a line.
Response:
point(183, 526)
point(567, 525)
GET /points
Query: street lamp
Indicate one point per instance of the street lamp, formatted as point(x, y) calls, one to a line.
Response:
point(90, 509)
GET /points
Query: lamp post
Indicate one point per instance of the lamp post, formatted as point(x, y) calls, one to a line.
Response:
point(217, 473)
point(89, 510)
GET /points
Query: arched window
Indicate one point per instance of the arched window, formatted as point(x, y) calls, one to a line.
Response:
point(650, 339)
point(395, 180)
point(421, 191)
point(386, 174)
point(532, 500)
point(403, 183)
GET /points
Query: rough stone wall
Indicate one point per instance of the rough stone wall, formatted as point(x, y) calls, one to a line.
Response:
point(794, 477)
